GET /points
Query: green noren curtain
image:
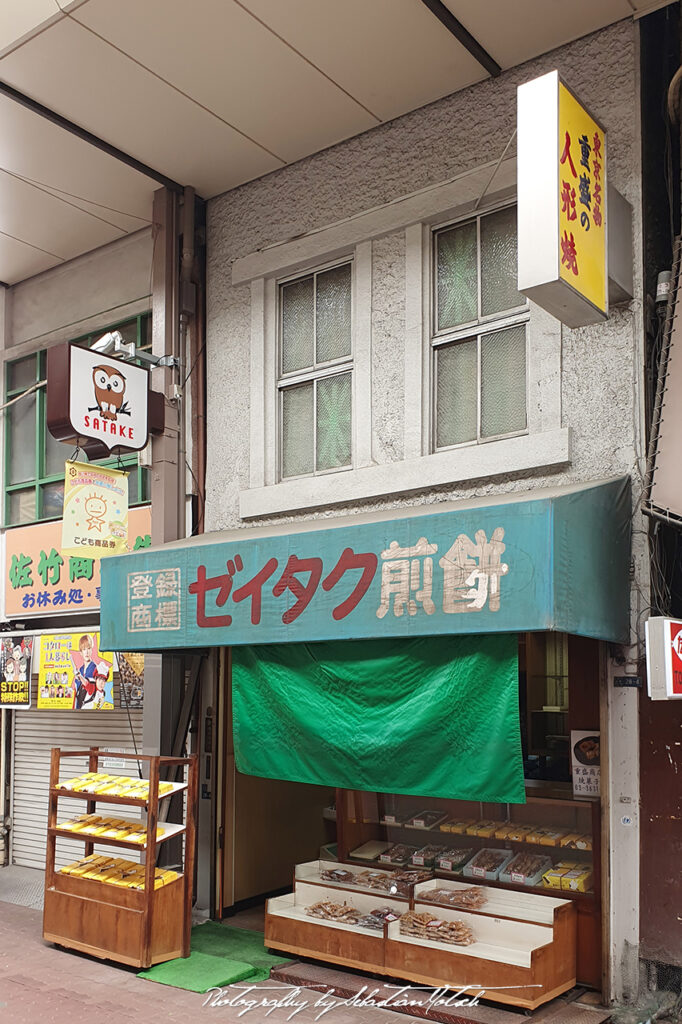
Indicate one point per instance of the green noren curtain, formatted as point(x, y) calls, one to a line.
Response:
point(431, 716)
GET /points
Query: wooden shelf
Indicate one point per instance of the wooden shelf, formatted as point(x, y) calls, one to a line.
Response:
point(138, 927)
point(171, 828)
point(524, 958)
point(109, 798)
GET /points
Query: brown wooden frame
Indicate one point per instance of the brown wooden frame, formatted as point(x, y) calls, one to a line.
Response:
point(130, 926)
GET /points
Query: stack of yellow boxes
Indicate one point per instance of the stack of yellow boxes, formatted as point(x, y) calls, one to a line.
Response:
point(116, 871)
point(113, 785)
point(108, 828)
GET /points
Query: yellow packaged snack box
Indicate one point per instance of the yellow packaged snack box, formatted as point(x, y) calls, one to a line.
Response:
point(535, 835)
point(577, 879)
point(485, 829)
point(552, 877)
point(69, 869)
point(584, 842)
point(518, 833)
point(552, 837)
point(568, 841)
point(503, 829)
point(460, 827)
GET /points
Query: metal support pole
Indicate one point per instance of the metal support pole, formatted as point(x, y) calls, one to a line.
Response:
point(164, 677)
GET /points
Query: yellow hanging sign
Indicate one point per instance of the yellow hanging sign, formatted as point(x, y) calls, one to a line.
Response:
point(95, 519)
point(582, 223)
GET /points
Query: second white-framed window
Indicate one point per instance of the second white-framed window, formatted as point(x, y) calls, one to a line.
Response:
point(315, 371)
point(478, 332)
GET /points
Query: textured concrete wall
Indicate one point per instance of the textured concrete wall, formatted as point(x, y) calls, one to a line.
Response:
point(601, 365)
point(89, 292)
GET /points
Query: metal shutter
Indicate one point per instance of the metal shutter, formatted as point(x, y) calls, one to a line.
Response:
point(35, 733)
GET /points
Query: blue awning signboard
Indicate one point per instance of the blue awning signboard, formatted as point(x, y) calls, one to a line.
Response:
point(546, 560)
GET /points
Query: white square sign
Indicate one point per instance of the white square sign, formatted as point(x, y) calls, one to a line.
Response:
point(108, 399)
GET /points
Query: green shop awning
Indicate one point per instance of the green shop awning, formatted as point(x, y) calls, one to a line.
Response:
point(555, 559)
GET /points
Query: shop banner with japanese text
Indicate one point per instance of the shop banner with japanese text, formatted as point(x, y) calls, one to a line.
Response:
point(585, 762)
point(555, 562)
point(16, 658)
point(95, 518)
point(74, 673)
point(436, 717)
point(582, 224)
point(41, 579)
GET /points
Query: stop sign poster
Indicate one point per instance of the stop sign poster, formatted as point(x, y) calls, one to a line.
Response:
point(16, 654)
point(675, 677)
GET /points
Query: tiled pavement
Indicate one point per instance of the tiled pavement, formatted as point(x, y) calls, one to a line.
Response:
point(42, 984)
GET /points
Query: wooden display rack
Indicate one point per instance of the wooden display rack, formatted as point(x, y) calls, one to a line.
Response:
point(134, 927)
point(524, 952)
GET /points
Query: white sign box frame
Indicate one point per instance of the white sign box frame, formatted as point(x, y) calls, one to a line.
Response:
point(539, 244)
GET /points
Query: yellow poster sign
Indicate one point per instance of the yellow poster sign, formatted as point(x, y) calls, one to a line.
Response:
point(582, 201)
point(95, 521)
point(74, 673)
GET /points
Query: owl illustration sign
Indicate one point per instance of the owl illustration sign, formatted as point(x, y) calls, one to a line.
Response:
point(108, 399)
point(99, 403)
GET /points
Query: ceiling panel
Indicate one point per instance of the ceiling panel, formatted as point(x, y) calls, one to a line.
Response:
point(513, 33)
point(34, 148)
point(49, 223)
point(19, 261)
point(234, 67)
point(19, 19)
point(73, 72)
point(651, 5)
point(393, 55)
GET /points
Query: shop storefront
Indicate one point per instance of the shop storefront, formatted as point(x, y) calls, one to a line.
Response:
point(56, 599)
point(437, 670)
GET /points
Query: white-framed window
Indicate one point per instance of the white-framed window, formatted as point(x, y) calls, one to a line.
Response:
point(478, 332)
point(315, 371)
point(418, 462)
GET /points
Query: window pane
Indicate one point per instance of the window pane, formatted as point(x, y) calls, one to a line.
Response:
point(297, 325)
point(52, 497)
point(146, 333)
point(498, 262)
point(21, 374)
point(21, 418)
point(22, 507)
point(334, 421)
point(129, 331)
point(457, 276)
point(56, 454)
point(503, 382)
point(297, 431)
point(456, 393)
point(333, 313)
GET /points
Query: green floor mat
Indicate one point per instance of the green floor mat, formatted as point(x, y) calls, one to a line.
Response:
point(236, 943)
point(200, 972)
point(220, 956)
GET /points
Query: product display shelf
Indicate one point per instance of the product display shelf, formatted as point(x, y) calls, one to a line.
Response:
point(511, 961)
point(171, 830)
point(134, 927)
point(520, 906)
point(523, 953)
point(311, 872)
point(109, 798)
point(288, 927)
point(535, 890)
